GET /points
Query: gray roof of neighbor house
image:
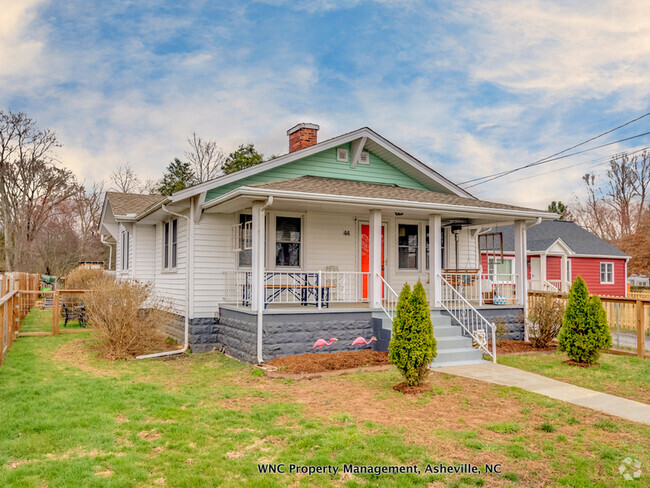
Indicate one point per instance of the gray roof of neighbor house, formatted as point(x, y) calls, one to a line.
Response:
point(131, 203)
point(541, 237)
point(332, 186)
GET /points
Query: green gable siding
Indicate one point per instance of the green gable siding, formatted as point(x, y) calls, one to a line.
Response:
point(325, 165)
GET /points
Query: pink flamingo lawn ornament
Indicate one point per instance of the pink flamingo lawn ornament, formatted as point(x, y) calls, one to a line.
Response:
point(323, 342)
point(360, 341)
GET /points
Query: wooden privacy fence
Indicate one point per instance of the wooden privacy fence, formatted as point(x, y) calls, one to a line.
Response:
point(19, 293)
point(628, 318)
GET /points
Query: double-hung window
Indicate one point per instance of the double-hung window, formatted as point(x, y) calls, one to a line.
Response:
point(170, 244)
point(500, 269)
point(288, 241)
point(126, 238)
point(245, 255)
point(606, 273)
point(407, 246)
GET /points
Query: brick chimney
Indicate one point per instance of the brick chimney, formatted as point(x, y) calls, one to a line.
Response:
point(302, 136)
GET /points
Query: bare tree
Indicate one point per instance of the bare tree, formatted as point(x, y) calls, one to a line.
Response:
point(642, 183)
point(206, 159)
point(124, 179)
point(621, 191)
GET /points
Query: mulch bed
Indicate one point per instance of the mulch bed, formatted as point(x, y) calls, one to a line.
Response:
point(520, 347)
point(320, 362)
point(412, 390)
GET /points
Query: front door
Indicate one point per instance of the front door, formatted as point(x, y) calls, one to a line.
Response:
point(365, 255)
point(536, 273)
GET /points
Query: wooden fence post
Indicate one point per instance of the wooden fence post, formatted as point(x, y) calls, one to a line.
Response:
point(55, 313)
point(2, 331)
point(640, 329)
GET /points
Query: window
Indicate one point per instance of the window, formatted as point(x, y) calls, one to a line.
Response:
point(342, 154)
point(288, 237)
point(607, 273)
point(407, 246)
point(245, 255)
point(568, 271)
point(500, 269)
point(170, 244)
point(442, 247)
point(126, 238)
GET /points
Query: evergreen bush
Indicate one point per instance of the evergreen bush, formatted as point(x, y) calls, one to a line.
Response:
point(412, 346)
point(584, 331)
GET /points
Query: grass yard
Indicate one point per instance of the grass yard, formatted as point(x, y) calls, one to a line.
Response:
point(625, 376)
point(38, 320)
point(71, 420)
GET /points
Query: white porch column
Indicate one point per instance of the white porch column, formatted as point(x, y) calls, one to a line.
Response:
point(542, 270)
point(520, 262)
point(257, 264)
point(374, 264)
point(563, 272)
point(435, 264)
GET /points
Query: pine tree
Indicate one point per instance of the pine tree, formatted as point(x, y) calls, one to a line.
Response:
point(179, 176)
point(412, 346)
point(584, 329)
point(244, 157)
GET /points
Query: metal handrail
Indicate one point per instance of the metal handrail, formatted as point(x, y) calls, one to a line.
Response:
point(467, 316)
point(389, 298)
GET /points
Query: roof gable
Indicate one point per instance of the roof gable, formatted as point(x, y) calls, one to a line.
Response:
point(379, 148)
point(131, 203)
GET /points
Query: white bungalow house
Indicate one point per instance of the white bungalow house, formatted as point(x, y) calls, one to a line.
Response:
point(317, 244)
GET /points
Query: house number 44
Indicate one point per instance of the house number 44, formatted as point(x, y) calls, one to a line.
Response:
point(346, 232)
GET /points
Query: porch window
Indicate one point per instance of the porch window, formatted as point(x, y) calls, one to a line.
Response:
point(606, 273)
point(407, 246)
point(126, 238)
point(500, 269)
point(245, 255)
point(442, 247)
point(288, 238)
point(170, 244)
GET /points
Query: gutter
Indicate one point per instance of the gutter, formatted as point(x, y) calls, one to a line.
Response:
point(260, 306)
point(188, 280)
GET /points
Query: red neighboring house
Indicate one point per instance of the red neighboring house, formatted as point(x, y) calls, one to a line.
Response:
point(557, 252)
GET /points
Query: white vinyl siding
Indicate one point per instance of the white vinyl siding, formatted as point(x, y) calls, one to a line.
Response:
point(171, 286)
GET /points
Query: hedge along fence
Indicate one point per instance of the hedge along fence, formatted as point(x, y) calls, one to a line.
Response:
point(19, 294)
point(628, 318)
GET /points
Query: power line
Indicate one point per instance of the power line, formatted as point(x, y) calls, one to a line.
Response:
point(547, 158)
point(505, 173)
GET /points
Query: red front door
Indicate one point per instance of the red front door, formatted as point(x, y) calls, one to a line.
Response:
point(365, 254)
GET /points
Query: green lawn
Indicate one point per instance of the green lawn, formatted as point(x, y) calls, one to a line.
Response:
point(38, 320)
point(68, 419)
point(625, 376)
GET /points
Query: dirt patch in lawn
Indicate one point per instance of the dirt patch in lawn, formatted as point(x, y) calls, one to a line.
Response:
point(319, 362)
point(412, 390)
point(520, 347)
point(571, 362)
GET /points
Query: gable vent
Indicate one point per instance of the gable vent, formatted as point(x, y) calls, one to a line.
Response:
point(341, 154)
point(364, 158)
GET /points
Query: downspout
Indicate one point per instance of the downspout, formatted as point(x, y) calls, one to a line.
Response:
point(110, 251)
point(188, 280)
point(537, 222)
point(260, 306)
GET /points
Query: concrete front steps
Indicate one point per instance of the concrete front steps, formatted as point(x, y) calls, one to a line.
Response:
point(453, 348)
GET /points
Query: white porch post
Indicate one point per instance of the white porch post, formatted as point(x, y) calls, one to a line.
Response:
point(435, 265)
point(542, 271)
point(257, 264)
point(563, 273)
point(374, 264)
point(520, 262)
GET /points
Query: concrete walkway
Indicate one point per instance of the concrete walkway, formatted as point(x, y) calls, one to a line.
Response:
point(509, 376)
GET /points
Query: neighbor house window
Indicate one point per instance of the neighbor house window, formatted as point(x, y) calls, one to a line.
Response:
point(442, 248)
point(288, 238)
point(245, 255)
point(126, 238)
point(170, 244)
point(607, 273)
point(500, 269)
point(407, 246)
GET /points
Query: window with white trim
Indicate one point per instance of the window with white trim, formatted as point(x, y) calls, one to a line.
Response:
point(606, 273)
point(500, 269)
point(170, 244)
point(245, 250)
point(407, 246)
point(126, 238)
point(288, 241)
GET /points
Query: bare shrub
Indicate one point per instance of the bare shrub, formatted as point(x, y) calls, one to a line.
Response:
point(546, 314)
point(125, 316)
point(83, 278)
point(501, 330)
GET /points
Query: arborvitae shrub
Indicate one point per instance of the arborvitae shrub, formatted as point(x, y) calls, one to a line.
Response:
point(584, 331)
point(412, 346)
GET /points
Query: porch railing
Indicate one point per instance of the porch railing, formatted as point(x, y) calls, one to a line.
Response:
point(485, 288)
point(477, 326)
point(317, 288)
point(389, 298)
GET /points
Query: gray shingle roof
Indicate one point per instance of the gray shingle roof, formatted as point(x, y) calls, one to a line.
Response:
point(542, 236)
point(332, 186)
point(131, 203)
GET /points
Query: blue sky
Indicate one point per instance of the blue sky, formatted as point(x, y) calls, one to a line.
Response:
point(469, 87)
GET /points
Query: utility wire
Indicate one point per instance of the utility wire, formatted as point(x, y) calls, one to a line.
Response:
point(505, 173)
point(547, 158)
